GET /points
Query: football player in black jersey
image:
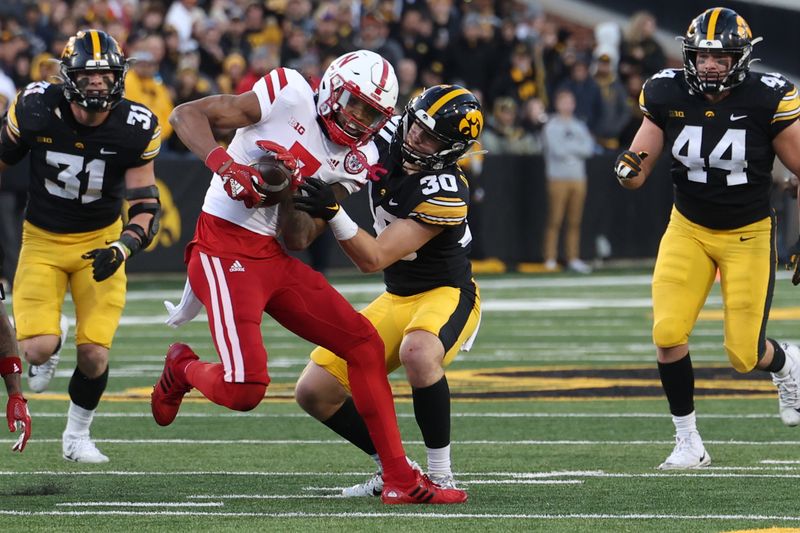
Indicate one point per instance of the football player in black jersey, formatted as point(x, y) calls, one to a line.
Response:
point(90, 149)
point(431, 307)
point(723, 124)
point(17, 414)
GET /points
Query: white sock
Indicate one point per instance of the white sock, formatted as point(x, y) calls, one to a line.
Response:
point(787, 367)
point(685, 425)
point(377, 460)
point(78, 419)
point(439, 460)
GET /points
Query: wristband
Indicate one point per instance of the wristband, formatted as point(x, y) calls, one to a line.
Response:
point(10, 365)
point(126, 252)
point(342, 226)
point(216, 158)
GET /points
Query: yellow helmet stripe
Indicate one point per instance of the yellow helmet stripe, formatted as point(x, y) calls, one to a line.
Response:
point(95, 44)
point(437, 105)
point(712, 24)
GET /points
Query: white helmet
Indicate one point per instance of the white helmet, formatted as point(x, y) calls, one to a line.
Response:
point(356, 96)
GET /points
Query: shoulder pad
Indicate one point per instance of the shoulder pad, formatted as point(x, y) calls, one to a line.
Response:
point(33, 106)
point(285, 83)
point(140, 125)
point(137, 115)
point(662, 82)
point(783, 98)
point(773, 82)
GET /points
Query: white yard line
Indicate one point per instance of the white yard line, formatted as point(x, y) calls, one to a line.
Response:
point(140, 504)
point(326, 442)
point(275, 496)
point(418, 515)
point(411, 415)
point(510, 476)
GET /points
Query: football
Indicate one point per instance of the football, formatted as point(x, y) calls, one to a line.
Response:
point(277, 179)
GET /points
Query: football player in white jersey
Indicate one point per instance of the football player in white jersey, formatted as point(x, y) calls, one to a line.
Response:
point(431, 306)
point(238, 269)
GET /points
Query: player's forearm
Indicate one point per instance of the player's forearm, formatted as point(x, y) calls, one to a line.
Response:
point(8, 348)
point(194, 129)
point(8, 343)
point(365, 252)
point(298, 229)
point(142, 219)
point(13, 384)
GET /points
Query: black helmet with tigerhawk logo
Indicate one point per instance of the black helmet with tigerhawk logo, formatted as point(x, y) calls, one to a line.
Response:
point(718, 30)
point(451, 115)
point(91, 51)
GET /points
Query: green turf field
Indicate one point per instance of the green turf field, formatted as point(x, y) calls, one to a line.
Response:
point(558, 425)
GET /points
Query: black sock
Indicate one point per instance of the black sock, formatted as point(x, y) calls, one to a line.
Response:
point(778, 358)
point(85, 392)
point(432, 411)
point(348, 424)
point(678, 381)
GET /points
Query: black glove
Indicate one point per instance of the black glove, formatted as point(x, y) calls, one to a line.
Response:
point(794, 262)
point(105, 261)
point(320, 200)
point(629, 164)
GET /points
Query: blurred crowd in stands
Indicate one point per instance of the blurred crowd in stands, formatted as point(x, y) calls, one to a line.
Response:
point(509, 52)
point(514, 56)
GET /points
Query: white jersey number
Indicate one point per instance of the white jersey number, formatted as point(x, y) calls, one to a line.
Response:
point(442, 182)
point(140, 114)
point(728, 154)
point(68, 184)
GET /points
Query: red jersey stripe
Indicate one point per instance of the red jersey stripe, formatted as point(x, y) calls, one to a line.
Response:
point(270, 89)
point(282, 78)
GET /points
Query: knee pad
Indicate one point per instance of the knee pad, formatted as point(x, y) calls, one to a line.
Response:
point(670, 332)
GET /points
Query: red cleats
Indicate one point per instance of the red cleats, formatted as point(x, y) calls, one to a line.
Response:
point(423, 491)
point(172, 386)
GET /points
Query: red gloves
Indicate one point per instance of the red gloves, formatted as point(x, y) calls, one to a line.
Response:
point(286, 157)
point(19, 418)
point(239, 180)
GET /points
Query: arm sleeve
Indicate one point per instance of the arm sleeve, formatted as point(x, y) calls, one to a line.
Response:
point(440, 211)
point(441, 208)
point(153, 146)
